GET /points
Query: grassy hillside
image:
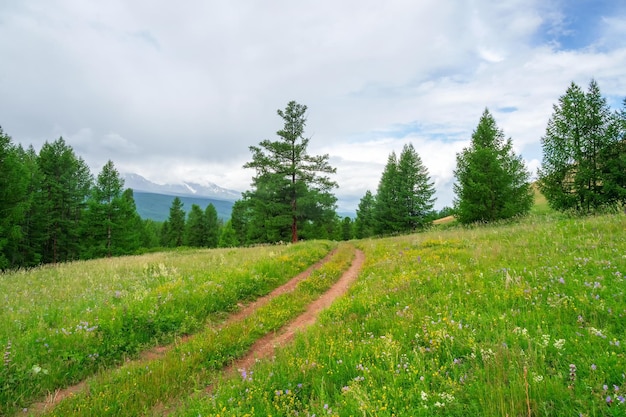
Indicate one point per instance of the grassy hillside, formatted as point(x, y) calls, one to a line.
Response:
point(157, 206)
point(518, 319)
point(521, 320)
point(59, 324)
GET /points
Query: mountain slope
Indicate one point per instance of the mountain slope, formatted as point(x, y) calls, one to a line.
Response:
point(157, 206)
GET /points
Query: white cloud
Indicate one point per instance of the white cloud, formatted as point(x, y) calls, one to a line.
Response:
point(180, 91)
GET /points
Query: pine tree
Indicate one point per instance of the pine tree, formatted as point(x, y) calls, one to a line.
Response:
point(285, 175)
point(405, 194)
point(212, 226)
point(415, 190)
point(196, 228)
point(103, 217)
point(14, 182)
point(239, 220)
point(131, 229)
point(614, 162)
point(35, 220)
point(347, 231)
point(65, 187)
point(364, 225)
point(581, 148)
point(492, 182)
point(387, 209)
point(175, 233)
point(228, 236)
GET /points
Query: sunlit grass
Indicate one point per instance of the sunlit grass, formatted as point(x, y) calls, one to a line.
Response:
point(59, 324)
point(138, 387)
point(514, 319)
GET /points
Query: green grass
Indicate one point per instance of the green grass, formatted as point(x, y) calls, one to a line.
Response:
point(60, 324)
point(513, 319)
point(521, 318)
point(139, 387)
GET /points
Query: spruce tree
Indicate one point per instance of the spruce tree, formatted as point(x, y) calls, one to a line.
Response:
point(387, 209)
point(492, 182)
point(103, 219)
point(65, 186)
point(196, 228)
point(364, 224)
point(212, 226)
point(14, 182)
point(415, 190)
point(175, 232)
point(228, 236)
point(405, 194)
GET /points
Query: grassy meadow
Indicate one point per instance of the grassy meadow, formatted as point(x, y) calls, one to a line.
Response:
point(60, 324)
point(523, 318)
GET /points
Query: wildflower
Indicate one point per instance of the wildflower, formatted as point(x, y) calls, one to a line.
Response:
point(593, 367)
point(7, 354)
point(621, 399)
point(561, 280)
point(558, 344)
point(608, 399)
point(572, 372)
point(345, 388)
point(424, 396)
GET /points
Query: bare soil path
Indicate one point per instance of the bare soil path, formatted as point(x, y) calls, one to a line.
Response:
point(159, 351)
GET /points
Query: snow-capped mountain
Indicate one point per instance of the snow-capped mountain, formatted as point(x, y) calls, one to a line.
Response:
point(139, 183)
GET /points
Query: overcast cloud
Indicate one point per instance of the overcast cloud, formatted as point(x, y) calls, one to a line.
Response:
point(178, 91)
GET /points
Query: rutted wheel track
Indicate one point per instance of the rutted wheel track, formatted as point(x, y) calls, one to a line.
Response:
point(262, 347)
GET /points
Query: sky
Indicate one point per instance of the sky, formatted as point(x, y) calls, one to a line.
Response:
point(179, 91)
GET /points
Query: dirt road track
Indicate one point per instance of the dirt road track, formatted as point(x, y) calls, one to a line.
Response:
point(264, 347)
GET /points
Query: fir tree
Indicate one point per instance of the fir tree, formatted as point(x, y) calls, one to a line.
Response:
point(492, 182)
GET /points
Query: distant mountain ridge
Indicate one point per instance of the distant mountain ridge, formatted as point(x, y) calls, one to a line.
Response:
point(154, 200)
point(182, 189)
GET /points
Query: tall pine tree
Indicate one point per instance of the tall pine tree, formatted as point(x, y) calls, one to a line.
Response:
point(415, 190)
point(405, 194)
point(364, 225)
point(285, 176)
point(65, 186)
point(212, 226)
point(14, 182)
point(196, 233)
point(175, 229)
point(492, 181)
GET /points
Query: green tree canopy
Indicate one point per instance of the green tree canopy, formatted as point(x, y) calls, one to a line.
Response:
point(175, 229)
point(583, 152)
point(492, 182)
point(290, 186)
point(111, 219)
point(364, 225)
point(196, 233)
point(65, 186)
point(212, 226)
point(14, 182)
point(405, 194)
